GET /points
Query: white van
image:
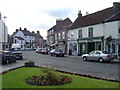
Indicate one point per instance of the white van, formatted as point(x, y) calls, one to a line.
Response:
point(17, 51)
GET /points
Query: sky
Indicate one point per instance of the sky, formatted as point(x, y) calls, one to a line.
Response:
point(42, 14)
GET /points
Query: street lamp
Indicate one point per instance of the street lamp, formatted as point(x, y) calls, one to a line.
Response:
point(4, 32)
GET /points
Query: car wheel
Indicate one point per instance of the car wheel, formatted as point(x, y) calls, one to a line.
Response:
point(85, 58)
point(101, 60)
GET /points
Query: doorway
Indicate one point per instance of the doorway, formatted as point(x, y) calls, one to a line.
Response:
point(119, 50)
point(91, 46)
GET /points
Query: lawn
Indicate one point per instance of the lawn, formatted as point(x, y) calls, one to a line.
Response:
point(16, 79)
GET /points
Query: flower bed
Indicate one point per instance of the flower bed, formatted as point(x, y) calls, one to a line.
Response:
point(44, 81)
point(49, 77)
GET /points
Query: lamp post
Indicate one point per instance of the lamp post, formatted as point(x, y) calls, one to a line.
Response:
point(4, 33)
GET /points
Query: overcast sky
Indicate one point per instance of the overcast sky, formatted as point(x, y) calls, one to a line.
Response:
point(42, 14)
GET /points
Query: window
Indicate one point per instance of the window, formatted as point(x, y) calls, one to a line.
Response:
point(90, 32)
point(56, 37)
point(59, 36)
point(63, 35)
point(15, 41)
point(72, 35)
point(98, 53)
point(80, 34)
point(52, 31)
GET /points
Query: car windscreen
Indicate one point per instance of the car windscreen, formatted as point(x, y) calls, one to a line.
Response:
point(16, 49)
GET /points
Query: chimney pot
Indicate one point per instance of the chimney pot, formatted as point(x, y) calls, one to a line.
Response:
point(87, 13)
point(38, 32)
point(25, 29)
point(16, 30)
point(20, 28)
point(79, 14)
point(33, 32)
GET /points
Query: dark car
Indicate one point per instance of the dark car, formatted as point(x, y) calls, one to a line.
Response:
point(7, 57)
point(44, 51)
point(17, 52)
point(56, 53)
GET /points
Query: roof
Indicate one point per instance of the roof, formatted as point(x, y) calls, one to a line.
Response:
point(106, 15)
point(26, 32)
point(62, 24)
point(37, 35)
point(20, 38)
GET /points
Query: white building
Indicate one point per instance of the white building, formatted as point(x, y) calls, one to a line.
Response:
point(3, 34)
point(24, 37)
point(96, 31)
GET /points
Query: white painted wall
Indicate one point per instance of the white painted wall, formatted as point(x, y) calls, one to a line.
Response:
point(20, 34)
point(2, 33)
point(111, 28)
point(28, 38)
point(97, 30)
point(73, 32)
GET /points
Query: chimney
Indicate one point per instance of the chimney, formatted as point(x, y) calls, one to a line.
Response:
point(0, 15)
point(25, 29)
point(79, 14)
point(59, 21)
point(87, 13)
point(116, 5)
point(33, 32)
point(20, 28)
point(38, 32)
point(16, 30)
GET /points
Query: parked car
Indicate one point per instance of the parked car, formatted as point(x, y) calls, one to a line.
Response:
point(44, 51)
point(38, 50)
point(98, 56)
point(17, 52)
point(7, 57)
point(56, 53)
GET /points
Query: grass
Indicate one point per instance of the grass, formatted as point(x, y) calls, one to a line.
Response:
point(16, 79)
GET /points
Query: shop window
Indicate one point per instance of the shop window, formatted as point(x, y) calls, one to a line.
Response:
point(75, 47)
point(113, 48)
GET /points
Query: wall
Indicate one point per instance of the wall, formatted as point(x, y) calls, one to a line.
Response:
point(111, 28)
point(97, 30)
point(2, 33)
point(20, 34)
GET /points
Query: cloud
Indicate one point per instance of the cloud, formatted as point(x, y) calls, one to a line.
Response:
point(60, 12)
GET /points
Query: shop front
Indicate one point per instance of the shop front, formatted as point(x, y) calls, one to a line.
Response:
point(114, 48)
point(86, 45)
point(72, 48)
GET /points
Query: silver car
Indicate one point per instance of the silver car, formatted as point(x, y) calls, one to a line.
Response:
point(98, 56)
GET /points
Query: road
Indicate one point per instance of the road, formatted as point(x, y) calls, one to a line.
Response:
point(73, 64)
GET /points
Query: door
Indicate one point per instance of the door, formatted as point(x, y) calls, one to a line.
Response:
point(91, 46)
point(96, 56)
point(91, 55)
point(119, 50)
